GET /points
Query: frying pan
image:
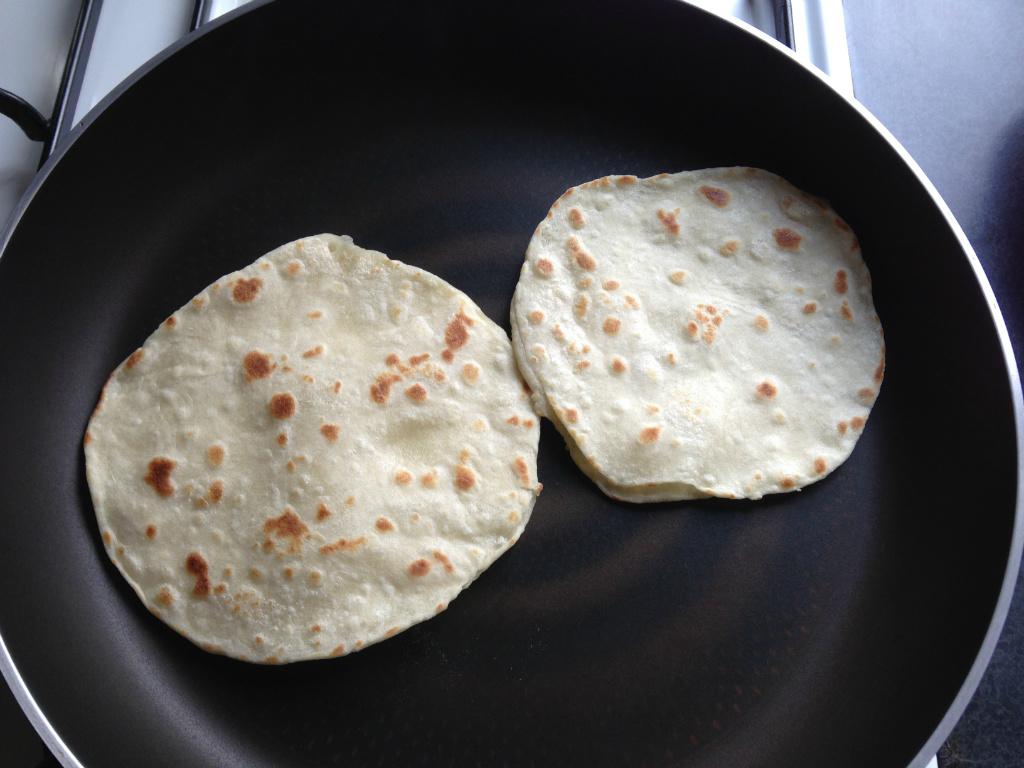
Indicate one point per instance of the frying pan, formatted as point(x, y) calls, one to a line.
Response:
point(844, 625)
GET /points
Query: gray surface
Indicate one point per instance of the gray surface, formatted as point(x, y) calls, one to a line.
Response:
point(947, 78)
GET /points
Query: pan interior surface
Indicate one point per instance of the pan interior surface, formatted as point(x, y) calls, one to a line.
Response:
point(833, 626)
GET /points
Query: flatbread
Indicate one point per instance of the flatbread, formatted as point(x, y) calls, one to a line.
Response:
point(708, 332)
point(315, 453)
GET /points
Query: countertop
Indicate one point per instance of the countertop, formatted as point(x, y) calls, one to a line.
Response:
point(947, 78)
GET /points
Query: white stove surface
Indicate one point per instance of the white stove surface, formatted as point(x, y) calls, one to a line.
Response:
point(35, 38)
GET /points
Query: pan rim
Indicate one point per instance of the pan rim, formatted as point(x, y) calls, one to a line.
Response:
point(48, 733)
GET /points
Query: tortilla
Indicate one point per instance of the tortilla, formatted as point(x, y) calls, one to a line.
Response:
point(707, 332)
point(315, 453)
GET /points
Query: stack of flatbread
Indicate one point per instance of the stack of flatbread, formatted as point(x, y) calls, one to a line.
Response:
point(700, 333)
point(326, 447)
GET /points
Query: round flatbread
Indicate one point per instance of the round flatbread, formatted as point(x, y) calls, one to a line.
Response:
point(701, 333)
point(315, 453)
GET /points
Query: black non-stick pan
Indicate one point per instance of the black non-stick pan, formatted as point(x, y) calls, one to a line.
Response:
point(845, 625)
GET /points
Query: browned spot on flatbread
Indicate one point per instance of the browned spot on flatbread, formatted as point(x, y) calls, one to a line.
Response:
point(842, 426)
point(419, 567)
point(417, 393)
point(215, 455)
point(402, 477)
point(342, 545)
point(150, 531)
point(391, 632)
point(287, 526)
point(246, 290)
point(384, 525)
point(465, 478)
point(866, 395)
point(766, 390)
point(580, 305)
point(716, 196)
point(107, 538)
point(840, 224)
point(669, 220)
point(429, 480)
point(810, 308)
point(632, 302)
point(571, 415)
point(880, 370)
point(470, 372)
point(456, 334)
point(170, 322)
point(282, 439)
point(610, 285)
point(845, 311)
point(158, 476)
point(88, 438)
point(857, 422)
point(282, 405)
point(294, 267)
point(582, 257)
point(197, 566)
point(216, 492)
point(788, 482)
point(338, 650)
point(677, 276)
point(625, 181)
point(330, 432)
point(536, 317)
point(314, 351)
point(336, 387)
point(840, 284)
point(649, 435)
point(820, 466)
point(134, 358)
point(380, 390)
point(544, 267)
point(257, 365)
point(164, 597)
point(316, 314)
point(522, 471)
point(576, 218)
point(729, 247)
point(444, 560)
point(761, 323)
point(513, 420)
point(618, 365)
point(322, 512)
point(611, 325)
point(786, 238)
